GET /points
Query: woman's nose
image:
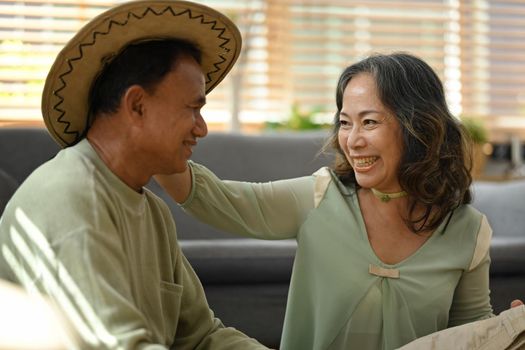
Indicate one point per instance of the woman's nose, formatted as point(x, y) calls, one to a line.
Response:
point(355, 139)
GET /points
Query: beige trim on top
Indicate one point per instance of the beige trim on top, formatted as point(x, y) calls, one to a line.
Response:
point(322, 180)
point(482, 244)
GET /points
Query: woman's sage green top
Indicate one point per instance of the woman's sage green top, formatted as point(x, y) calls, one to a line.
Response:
point(342, 296)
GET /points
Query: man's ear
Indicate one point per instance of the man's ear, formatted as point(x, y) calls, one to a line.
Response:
point(133, 102)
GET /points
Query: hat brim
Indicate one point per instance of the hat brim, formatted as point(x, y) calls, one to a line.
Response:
point(65, 99)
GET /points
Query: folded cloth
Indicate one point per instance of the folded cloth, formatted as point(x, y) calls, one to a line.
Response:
point(503, 332)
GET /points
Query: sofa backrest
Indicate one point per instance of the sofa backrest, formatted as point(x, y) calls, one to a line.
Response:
point(504, 205)
point(23, 149)
point(8, 186)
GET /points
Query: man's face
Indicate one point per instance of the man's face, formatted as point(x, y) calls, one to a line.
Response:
point(173, 120)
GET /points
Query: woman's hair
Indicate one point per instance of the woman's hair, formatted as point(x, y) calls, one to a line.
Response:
point(435, 167)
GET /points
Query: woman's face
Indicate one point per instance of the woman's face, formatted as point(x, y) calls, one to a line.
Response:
point(370, 136)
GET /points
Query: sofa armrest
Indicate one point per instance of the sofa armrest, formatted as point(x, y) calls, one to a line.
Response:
point(507, 255)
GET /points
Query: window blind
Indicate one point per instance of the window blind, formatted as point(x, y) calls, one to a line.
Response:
point(492, 64)
point(294, 51)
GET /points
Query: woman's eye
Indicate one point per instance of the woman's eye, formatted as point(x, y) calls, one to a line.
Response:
point(369, 123)
point(344, 123)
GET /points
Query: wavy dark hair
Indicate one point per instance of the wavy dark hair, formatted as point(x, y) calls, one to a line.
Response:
point(435, 167)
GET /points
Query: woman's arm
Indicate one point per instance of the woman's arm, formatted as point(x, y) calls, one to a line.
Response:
point(178, 185)
point(272, 210)
point(472, 296)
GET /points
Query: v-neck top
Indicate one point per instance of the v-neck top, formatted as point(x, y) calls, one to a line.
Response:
point(342, 296)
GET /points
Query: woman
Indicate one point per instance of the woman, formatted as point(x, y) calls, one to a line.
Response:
point(388, 248)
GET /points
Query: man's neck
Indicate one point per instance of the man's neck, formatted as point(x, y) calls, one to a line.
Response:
point(116, 152)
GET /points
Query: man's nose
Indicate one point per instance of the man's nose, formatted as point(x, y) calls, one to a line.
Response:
point(201, 128)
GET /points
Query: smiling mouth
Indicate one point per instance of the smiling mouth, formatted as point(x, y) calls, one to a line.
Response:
point(188, 145)
point(364, 162)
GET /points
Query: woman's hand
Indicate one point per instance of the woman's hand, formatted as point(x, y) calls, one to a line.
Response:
point(516, 303)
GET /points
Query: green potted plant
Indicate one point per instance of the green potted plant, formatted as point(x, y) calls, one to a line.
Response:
point(479, 136)
point(298, 120)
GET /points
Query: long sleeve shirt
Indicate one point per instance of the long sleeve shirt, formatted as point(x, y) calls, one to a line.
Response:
point(342, 296)
point(108, 257)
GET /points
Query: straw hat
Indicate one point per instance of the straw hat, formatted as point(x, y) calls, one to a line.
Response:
point(67, 87)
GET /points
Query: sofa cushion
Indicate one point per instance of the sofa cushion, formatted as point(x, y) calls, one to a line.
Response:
point(240, 260)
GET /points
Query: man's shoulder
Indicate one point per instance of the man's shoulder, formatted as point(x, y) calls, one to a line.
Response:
point(61, 183)
point(66, 169)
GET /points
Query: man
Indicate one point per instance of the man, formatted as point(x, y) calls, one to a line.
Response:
point(124, 98)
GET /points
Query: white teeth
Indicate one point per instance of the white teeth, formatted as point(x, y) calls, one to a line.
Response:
point(365, 161)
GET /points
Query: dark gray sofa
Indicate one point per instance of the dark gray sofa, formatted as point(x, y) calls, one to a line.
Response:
point(246, 280)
